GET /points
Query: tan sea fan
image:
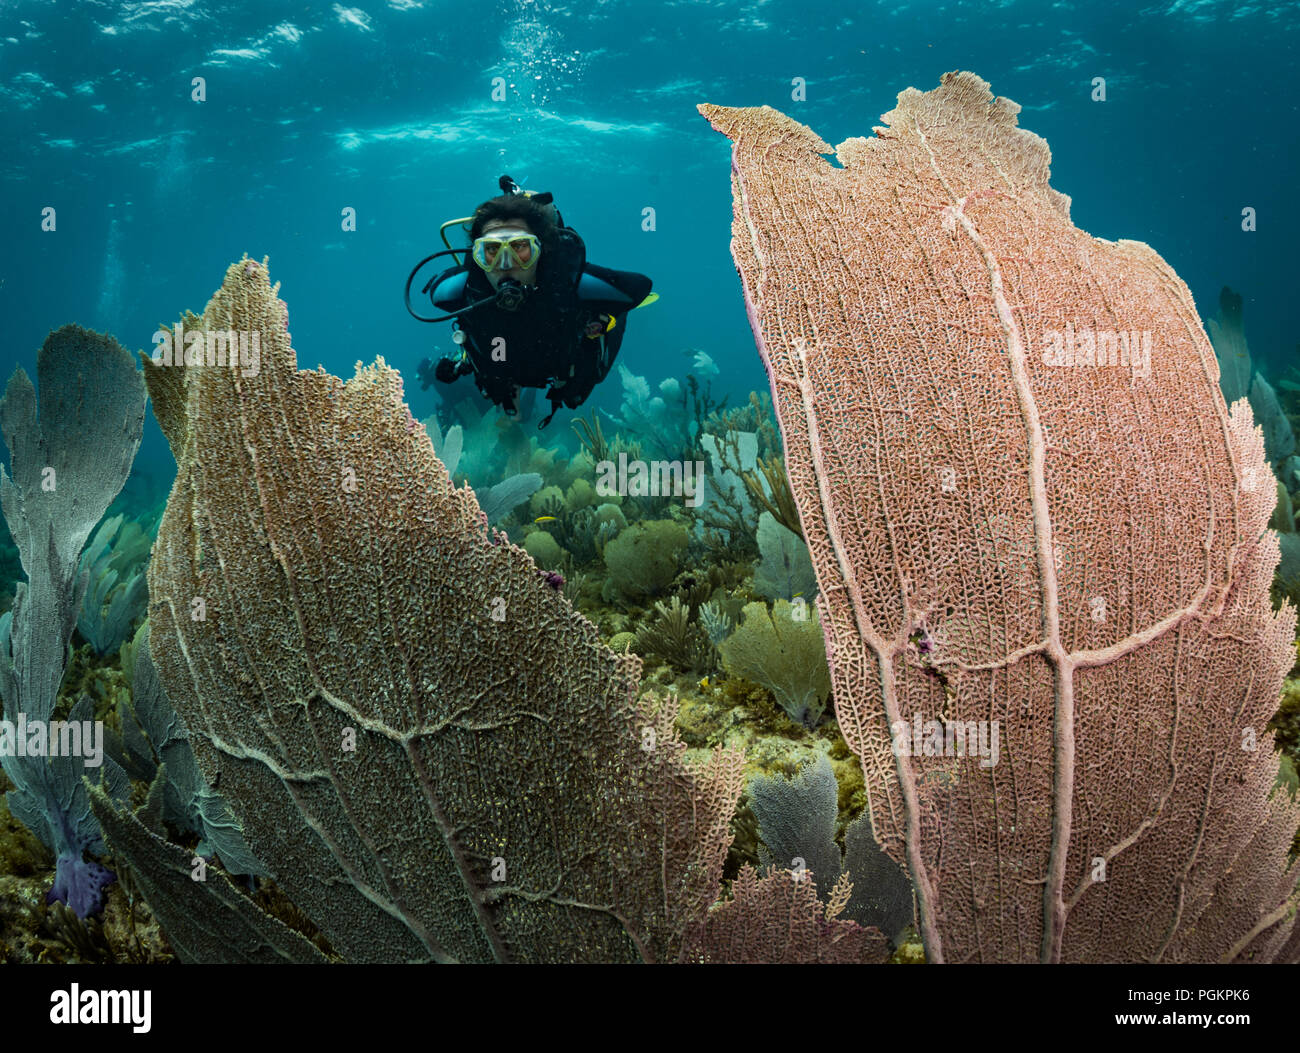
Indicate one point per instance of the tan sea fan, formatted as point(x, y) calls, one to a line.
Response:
point(434, 753)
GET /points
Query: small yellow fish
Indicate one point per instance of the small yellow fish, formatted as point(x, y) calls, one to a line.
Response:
point(544, 519)
point(705, 682)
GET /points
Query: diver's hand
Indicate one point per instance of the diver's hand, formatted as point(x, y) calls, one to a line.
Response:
point(448, 369)
point(573, 394)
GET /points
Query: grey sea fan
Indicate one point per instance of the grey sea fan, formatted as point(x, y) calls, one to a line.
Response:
point(152, 736)
point(447, 445)
point(715, 622)
point(70, 453)
point(796, 819)
point(207, 922)
point(502, 499)
point(117, 591)
point(785, 570)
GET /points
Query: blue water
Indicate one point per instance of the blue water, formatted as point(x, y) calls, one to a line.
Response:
point(386, 108)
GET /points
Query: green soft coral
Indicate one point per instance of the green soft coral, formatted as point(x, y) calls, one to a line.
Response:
point(1285, 724)
point(643, 560)
point(544, 549)
point(785, 652)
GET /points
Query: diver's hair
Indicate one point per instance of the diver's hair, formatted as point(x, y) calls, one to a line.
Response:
point(517, 206)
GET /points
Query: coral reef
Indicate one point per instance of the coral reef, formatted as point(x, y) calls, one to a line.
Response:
point(794, 807)
point(657, 640)
point(663, 423)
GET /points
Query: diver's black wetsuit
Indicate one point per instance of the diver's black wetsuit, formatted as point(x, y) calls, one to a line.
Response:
point(544, 341)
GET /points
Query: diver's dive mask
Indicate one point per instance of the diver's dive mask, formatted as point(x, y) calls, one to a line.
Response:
point(506, 251)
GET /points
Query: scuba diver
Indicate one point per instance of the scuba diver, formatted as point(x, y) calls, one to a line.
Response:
point(527, 309)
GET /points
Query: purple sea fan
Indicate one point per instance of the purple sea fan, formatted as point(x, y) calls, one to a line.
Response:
point(80, 885)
